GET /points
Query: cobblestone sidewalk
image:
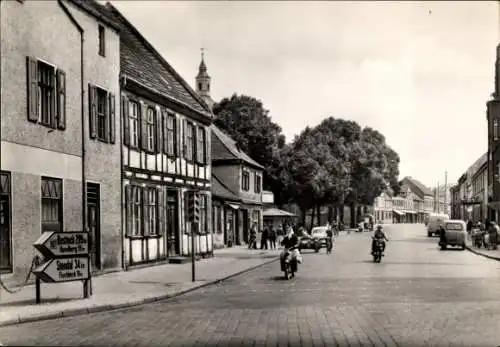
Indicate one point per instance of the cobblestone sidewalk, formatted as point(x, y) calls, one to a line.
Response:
point(492, 254)
point(128, 288)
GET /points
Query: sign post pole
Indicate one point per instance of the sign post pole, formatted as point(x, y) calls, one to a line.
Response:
point(37, 290)
point(193, 257)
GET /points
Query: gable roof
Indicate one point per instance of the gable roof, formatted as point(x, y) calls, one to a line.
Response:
point(417, 187)
point(141, 62)
point(225, 148)
point(219, 189)
point(97, 10)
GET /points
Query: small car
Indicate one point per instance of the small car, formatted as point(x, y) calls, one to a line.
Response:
point(319, 233)
point(307, 242)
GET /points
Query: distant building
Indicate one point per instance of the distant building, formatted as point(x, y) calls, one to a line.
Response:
point(423, 193)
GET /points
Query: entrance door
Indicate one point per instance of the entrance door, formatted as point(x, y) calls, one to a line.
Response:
point(5, 230)
point(245, 220)
point(94, 224)
point(173, 244)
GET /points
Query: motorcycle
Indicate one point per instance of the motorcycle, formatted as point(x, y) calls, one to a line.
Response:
point(329, 245)
point(378, 251)
point(289, 266)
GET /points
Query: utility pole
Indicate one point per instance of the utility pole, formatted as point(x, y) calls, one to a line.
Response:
point(445, 192)
point(437, 197)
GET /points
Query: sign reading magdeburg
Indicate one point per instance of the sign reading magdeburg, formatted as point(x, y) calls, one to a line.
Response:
point(57, 244)
point(66, 256)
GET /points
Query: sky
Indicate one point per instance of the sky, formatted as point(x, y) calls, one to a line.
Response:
point(418, 72)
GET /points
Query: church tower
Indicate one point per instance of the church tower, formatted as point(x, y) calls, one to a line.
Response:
point(203, 82)
point(496, 93)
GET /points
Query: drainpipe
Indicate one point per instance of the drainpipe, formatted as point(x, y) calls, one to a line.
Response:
point(122, 237)
point(84, 179)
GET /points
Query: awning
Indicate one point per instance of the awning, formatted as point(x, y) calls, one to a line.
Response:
point(275, 212)
point(233, 206)
point(398, 212)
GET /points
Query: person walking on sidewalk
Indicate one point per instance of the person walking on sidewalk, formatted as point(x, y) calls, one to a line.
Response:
point(263, 238)
point(272, 237)
point(252, 242)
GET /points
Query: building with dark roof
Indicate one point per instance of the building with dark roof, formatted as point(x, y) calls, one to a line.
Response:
point(421, 191)
point(56, 134)
point(166, 153)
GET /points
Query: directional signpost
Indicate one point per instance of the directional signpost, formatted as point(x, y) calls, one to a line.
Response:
point(66, 259)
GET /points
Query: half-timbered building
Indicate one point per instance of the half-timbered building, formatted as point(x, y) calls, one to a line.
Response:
point(165, 153)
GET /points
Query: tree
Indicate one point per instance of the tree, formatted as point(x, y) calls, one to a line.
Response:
point(246, 120)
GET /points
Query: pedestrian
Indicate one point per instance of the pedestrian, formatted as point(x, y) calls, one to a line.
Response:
point(263, 238)
point(272, 237)
point(252, 243)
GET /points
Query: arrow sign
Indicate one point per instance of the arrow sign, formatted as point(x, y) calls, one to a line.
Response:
point(64, 270)
point(60, 244)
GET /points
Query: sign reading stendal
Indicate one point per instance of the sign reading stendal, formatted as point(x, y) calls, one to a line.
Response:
point(64, 269)
point(59, 244)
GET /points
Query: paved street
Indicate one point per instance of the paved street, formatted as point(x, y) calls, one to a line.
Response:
point(417, 296)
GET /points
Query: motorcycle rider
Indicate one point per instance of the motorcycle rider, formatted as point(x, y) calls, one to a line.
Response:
point(379, 235)
point(329, 234)
point(289, 241)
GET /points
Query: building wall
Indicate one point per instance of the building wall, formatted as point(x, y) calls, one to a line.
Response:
point(230, 174)
point(164, 173)
point(103, 71)
point(250, 194)
point(30, 150)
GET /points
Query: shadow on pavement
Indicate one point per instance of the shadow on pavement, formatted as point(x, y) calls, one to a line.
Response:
point(278, 278)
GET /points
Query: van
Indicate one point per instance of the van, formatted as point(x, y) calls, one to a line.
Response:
point(434, 221)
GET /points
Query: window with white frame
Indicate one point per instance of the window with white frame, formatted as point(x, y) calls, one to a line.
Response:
point(150, 129)
point(133, 121)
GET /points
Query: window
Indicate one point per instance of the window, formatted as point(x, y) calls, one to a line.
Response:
point(150, 129)
point(102, 41)
point(46, 94)
point(203, 214)
point(136, 211)
point(101, 114)
point(495, 129)
point(52, 204)
point(245, 180)
point(257, 184)
point(200, 146)
point(200, 86)
point(133, 123)
point(102, 102)
point(142, 211)
point(170, 135)
point(189, 145)
point(150, 207)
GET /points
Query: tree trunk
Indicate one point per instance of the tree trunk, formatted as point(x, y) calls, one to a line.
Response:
point(313, 214)
point(341, 212)
point(318, 213)
point(335, 212)
point(303, 213)
point(352, 208)
point(330, 213)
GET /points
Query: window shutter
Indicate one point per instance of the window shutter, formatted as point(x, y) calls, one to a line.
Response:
point(92, 111)
point(53, 102)
point(111, 108)
point(128, 212)
point(144, 128)
point(177, 137)
point(195, 142)
point(164, 125)
point(61, 99)
point(145, 214)
point(126, 125)
point(158, 128)
point(161, 210)
point(184, 138)
point(32, 88)
point(208, 141)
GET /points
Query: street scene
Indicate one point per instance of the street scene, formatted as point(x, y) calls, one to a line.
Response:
point(252, 173)
point(417, 296)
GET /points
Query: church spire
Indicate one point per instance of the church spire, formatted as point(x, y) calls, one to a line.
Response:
point(203, 81)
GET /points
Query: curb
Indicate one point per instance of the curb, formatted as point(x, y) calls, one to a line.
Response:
point(472, 250)
point(137, 302)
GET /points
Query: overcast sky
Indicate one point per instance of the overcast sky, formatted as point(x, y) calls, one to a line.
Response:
point(419, 72)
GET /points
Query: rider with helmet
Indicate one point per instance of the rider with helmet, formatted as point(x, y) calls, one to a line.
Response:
point(379, 235)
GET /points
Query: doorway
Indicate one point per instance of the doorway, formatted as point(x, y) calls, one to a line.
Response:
point(94, 224)
point(5, 224)
point(173, 244)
